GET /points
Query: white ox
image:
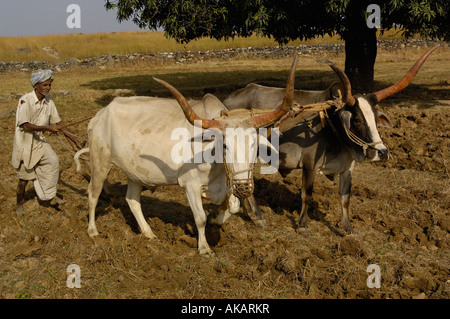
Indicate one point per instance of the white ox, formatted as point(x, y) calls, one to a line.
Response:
point(264, 97)
point(134, 133)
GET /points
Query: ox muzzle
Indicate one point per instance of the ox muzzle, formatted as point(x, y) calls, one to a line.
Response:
point(240, 187)
point(376, 152)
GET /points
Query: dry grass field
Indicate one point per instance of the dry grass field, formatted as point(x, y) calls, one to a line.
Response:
point(399, 209)
point(81, 46)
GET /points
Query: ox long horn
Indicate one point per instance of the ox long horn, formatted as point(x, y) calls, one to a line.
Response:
point(191, 116)
point(266, 119)
point(406, 80)
point(347, 96)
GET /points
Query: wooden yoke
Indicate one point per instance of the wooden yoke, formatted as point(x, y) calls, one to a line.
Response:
point(299, 113)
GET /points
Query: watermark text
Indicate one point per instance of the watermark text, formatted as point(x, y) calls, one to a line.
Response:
point(374, 19)
point(374, 279)
point(74, 278)
point(74, 19)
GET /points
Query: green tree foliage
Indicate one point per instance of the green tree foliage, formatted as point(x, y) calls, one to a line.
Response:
point(285, 20)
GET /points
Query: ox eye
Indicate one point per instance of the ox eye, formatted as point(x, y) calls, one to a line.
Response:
point(357, 121)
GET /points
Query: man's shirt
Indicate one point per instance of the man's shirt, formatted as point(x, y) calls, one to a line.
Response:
point(28, 146)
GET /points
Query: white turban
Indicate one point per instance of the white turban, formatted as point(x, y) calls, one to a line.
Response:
point(41, 76)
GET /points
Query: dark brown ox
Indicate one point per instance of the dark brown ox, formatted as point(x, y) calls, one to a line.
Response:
point(350, 135)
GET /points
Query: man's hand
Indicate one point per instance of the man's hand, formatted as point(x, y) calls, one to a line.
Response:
point(52, 129)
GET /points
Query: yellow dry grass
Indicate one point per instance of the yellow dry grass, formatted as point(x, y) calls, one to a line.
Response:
point(80, 46)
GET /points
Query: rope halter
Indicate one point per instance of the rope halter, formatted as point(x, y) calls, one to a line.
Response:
point(358, 141)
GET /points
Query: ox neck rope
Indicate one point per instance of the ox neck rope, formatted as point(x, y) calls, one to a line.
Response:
point(243, 187)
point(358, 141)
point(352, 136)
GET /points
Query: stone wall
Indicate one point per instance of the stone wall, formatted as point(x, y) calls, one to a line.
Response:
point(322, 50)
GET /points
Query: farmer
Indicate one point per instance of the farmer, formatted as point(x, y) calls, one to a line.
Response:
point(33, 157)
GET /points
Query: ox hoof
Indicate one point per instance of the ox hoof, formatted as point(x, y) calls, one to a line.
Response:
point(153, 239)
point(20, 211)
point(347, 227)
point(303, 231)
point(207, 253)
point(261, 223)
point(92, 232)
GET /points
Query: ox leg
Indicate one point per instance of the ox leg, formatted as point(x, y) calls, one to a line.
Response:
point(195, 201)
point(133, 199)
point(99, 172)
point(94, 191)
point(228, 208)
point(250, 205)
point(345, 184)
point(308, 176)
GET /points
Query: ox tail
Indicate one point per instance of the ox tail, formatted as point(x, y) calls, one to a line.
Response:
point(76, 158)
point(107, 187)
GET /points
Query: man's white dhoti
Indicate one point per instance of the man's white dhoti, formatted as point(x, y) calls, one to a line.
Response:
point(45, 175)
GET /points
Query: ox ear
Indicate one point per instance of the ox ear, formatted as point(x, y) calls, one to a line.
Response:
point(383, 120)
point(335, 90)
point(346, 117)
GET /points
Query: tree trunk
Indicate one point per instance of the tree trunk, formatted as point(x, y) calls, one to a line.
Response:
point(360, 47)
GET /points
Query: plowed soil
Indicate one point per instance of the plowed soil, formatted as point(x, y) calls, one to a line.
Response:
point(399, 212)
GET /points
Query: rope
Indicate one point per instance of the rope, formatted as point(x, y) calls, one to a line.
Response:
point(358, 141)
point(352, 136)
point(65, 145)
point(299, 113)
point(292, 111)
point(79, 138)
point(74, 150)
point(294, 115)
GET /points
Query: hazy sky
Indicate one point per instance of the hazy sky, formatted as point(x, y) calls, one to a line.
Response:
point(42, 17)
